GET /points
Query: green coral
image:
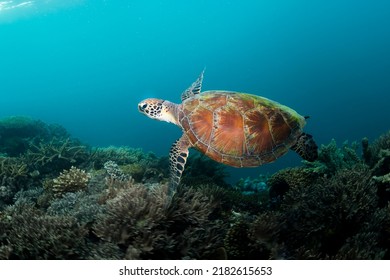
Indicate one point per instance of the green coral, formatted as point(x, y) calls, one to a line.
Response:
point(135, 170)
point(372, 152)
point(143, 172)
point(331, 158)
point(385, 179)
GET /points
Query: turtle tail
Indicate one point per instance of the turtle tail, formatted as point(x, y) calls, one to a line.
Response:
point(306, 147)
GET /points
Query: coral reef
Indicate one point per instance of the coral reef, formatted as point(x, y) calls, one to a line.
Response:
point(131, 218)
point(202, 170)
point(327, 219)
point(280, 182)
point(13, 177)
point(121, 155)
point(372, 152)
point(71, 180)
point(60, 199)
point(145, 225)
point(377, 156)
point(58, 154)
point(17, 132)
point(83, 206)
point(113, 171)
point(237, 242)
point(29, 196)
point(331, 158)
point(26, 233)
point(142, 167)
point(231, 198)
point(250, 186)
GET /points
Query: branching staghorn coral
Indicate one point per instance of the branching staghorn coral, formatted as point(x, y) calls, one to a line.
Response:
point(56, 154)
point(13, 177)
point(12, 167)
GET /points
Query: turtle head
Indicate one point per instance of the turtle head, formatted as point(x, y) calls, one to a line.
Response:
point(158, 109)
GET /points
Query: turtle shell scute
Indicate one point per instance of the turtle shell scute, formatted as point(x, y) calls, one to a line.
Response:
point(239, 129)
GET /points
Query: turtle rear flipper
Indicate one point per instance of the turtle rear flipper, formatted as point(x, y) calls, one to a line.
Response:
point(306, 147)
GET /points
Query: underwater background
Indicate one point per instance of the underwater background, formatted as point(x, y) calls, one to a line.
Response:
point(87, 64)
point(76, 70)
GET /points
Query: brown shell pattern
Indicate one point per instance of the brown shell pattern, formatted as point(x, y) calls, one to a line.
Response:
point(239, 129)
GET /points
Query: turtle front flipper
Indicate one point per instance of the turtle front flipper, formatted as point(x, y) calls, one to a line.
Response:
point(306, 147)
point(177, 161)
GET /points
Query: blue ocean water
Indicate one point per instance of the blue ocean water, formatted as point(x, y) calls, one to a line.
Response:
point(87, 64)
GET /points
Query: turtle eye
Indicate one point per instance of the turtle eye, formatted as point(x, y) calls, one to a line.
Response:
point(142, 107)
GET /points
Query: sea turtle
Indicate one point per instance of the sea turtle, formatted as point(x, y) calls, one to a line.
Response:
point(237, 129)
